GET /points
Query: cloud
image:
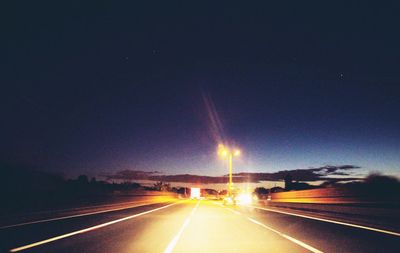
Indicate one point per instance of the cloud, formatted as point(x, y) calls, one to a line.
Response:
point(129, 175)
point(324, 173)
point(327, 172)
point(187, 178)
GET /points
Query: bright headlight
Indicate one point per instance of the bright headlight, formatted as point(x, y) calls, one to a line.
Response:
point(244, 199)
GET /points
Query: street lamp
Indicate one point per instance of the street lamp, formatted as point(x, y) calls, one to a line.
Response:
point(226, 152)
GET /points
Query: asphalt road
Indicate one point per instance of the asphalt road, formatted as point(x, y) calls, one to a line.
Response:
point(193, 226)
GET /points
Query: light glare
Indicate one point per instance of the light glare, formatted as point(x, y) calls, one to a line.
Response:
point(244, 199)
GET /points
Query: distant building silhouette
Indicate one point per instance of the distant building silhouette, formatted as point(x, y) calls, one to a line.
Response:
point(276, 189)
point(288, 182)
point(301, 186)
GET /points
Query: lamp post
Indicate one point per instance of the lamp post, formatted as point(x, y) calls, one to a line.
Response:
point(226, 152)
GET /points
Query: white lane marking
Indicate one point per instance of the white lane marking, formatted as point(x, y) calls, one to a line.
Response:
point(233, 211)
point(332, 221)
point(28, 246)
point(230, 209)
point(175, 240)
point(74, 216)
point(302, 244)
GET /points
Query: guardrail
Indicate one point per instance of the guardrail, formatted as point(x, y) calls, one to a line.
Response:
point(327, 196)
point(339, 204)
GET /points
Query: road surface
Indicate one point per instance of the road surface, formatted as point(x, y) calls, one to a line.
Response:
point(193, 226)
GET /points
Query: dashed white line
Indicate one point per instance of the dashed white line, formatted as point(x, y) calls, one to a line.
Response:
point(302, 244)
point(230, 209)
point(175, 240)
point(28, 246)
point(234, 211)
point(331, 221)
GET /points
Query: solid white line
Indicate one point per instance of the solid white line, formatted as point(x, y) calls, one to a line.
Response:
point(86, 229)
point(331, 221)
point(73, 216)
point(175, 240)
point(302, 244)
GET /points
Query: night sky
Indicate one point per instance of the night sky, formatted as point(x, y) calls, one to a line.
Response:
point(106, 86)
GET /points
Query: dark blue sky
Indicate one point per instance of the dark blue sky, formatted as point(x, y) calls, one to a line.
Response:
point(101, 87)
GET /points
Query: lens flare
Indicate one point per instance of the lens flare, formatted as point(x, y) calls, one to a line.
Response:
point(244, 199)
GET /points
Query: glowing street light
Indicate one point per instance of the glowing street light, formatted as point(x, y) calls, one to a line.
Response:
point(226, 152)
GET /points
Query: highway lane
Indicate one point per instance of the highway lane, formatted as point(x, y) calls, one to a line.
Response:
point(192, 226)
point(214, 228)
point(22, 235)
point(92, 207)
point(326, 236)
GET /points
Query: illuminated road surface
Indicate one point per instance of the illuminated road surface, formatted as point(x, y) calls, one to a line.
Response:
point(193, 226)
